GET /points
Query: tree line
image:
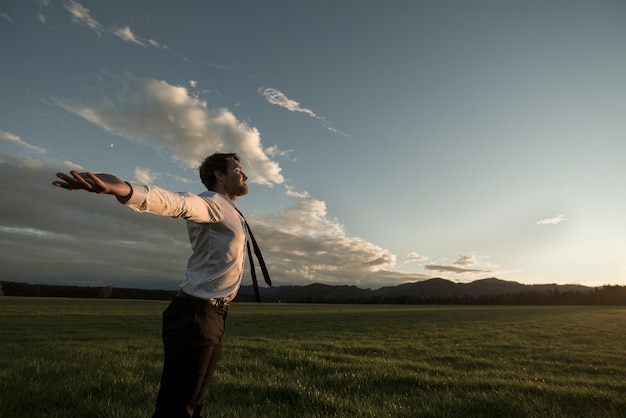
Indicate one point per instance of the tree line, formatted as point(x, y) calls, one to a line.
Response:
point(86, 292)
point(603, 295)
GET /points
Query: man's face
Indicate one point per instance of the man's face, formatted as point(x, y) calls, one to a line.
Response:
point(235, 180)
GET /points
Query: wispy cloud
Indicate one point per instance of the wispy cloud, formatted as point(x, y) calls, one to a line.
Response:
point(81, 15)
point(6, 17)
point(273, 151)
point(218, 66)
point(464, 264)
point(552, 221)
point(15, 139)
point(182, 179)
point(41, 17)
point(453, 269)
point(278, 98)
point(465, 260)
point(126, 34)
point(290, 191)
point(162, 116)
point(413, 256)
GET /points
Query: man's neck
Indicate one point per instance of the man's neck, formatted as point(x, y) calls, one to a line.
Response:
point(220, 190)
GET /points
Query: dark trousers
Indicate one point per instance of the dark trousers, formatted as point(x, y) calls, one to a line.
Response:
point(193, 335)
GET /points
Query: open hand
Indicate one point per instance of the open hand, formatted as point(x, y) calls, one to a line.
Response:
point(94, 183)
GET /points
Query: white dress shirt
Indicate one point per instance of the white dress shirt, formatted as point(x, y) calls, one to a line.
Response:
point(216, 232)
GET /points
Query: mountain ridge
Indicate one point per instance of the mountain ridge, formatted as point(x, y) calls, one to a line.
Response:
point(490, 291)
point(431, 288)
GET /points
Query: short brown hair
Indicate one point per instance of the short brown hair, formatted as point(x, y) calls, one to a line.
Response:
point(214, 162)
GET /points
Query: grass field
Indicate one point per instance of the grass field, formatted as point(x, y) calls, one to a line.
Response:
point(102, 358)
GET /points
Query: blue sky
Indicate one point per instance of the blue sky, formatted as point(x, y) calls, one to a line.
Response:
point(386, 142)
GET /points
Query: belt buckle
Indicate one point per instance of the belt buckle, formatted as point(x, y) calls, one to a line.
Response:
point(220, 304)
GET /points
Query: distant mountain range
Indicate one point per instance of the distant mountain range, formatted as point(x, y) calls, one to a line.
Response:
point(435, 289)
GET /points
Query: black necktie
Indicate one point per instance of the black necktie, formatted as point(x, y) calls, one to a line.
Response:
point(259, 256)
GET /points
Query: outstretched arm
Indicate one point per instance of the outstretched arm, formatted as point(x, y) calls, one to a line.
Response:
point(95, 183)
point(144, 198)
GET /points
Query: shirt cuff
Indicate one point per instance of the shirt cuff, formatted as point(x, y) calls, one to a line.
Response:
point(139, 195)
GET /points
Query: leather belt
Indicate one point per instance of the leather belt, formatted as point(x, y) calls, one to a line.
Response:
point(216, 303)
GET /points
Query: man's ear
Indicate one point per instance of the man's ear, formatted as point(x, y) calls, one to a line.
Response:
point(218, 174)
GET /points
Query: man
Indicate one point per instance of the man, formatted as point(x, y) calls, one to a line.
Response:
point(194, 322)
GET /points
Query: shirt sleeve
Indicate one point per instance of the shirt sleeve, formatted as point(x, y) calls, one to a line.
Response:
point(152, 199)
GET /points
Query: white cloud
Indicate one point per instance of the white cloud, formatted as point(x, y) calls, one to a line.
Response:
point(305, 243)
point(413, 256)
point(307, 218)
point(473, 266)
point(127, 35)
point(278, 98)
point(218, 66)
point(8, 136)
point(273, 151)
point(157, 44)
point(183, 180)
point(552, 221)
point(290, 191)
point(80, 14)
point(6, 17)
point(452, 269)
point(162, 116)
point(465, 260)
point(68, 165)
point(145, 175)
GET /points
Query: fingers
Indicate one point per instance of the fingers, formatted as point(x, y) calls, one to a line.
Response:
point(67, 183)
point(99, 185)
point(79, 177)
point(78, 181)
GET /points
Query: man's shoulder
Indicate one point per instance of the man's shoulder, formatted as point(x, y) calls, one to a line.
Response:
point(208, 194)
point(216, 198)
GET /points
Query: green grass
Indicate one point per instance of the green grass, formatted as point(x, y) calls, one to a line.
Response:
point(102, 358)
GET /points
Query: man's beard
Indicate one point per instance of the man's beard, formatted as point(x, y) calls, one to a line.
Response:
point(242, 190)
